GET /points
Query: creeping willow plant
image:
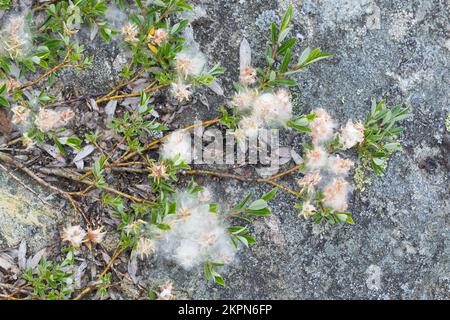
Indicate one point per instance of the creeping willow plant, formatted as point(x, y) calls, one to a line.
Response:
point(185, 226)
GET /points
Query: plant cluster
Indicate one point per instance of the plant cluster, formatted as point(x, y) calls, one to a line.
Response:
point(53, 280)
point(183, 225)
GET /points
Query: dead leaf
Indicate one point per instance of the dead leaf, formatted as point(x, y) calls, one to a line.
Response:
point(22, 255)
point(106, 257)
point(5, 123)
point(34, 261)
point(7, 263)
point(87, 150)
point(296, 157)
point(110, 109)
point(216, 88)
point(132, 268)
point(245, 54)
point(79, 273)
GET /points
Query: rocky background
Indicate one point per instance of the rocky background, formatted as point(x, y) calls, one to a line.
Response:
point(399, 247)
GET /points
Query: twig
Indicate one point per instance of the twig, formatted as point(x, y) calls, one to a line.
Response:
point(127, 156)
point(130, 95)
point(259, 180)
point(122, 84)
point(219, 174)
point(60, 103)
point(117, 253)
point(112, 166)
point(24, 185)
point(75, 177)
point(295, 194)
point(62, 64)
point(157, 141)
point(19, 165)
point(286, 172)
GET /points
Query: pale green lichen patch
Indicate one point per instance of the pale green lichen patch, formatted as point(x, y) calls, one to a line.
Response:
point(24, 217)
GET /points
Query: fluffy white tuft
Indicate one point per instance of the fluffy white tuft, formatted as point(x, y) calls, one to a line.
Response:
point(181, 91)
point(339, 166)
point(273, 109)
point(322, 126)
point(351, 134)
point(190, 62)
point(15, 37)
point(129, 32)
point(75, 235)
point(335, 194)
point(177, 144)
point(243, 100)
point(249, 126)
point(316, 159)
point(308, 209)
point(310, 181)
point(196, 234)
point(48, 120)
point(21, 115)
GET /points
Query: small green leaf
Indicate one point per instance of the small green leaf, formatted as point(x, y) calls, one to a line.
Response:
point(4, 102)
point(163, 226)
point(258, 205)
point(286, 82)
point(219, 280)
point(269, 195)
point(286, 18)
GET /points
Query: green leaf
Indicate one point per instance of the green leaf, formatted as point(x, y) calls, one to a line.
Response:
point(207, 270)
point(243, 202)
point(180, 26)
point(163, 226)
point(219, 280)
point(105, 33)
point(287, 45)
point(285, 82)
point(285, 63)
point(304, 56)
point(308, 57)
point(73, 142)
point(217, 264)
point(392, 147)
point(260, 212)
point(274, 31)
point(283, 34)
point(257, 205)
point(213, 207)
point(269, 195)
point(4, 102)
point(286, 18)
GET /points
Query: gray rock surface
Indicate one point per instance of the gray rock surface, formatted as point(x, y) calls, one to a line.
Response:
point(399, 247)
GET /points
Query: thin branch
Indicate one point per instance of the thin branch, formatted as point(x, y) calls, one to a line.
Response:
point(219, 174)
point(75, 177)
point(282, 174)
point(157, 141)
point(19, 165)
point(62, 64)
point(122, 84)
point(131, 95)
point(117, 253)
point(246, 179)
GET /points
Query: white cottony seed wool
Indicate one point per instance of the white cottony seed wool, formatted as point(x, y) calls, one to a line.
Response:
point(178, 144)
point(197, 235)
